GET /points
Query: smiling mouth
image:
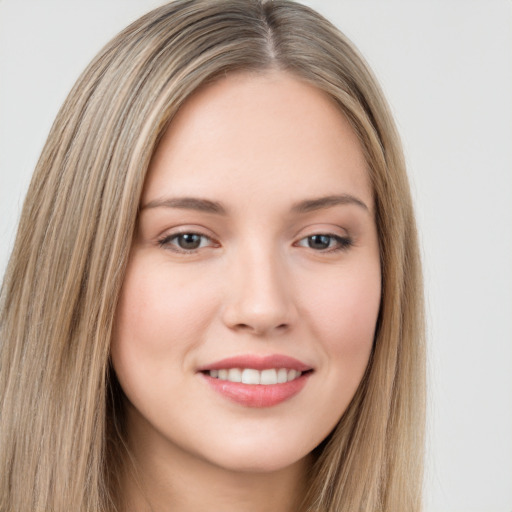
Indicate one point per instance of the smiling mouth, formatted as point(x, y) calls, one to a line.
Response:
point(252, 376)
point(257, 381)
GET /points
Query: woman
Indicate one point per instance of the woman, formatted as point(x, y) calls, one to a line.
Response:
point(214, 298)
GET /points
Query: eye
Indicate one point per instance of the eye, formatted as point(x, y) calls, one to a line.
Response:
point(186, 242)
point(325, 242)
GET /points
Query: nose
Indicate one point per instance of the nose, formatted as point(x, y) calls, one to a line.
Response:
point(259, 298)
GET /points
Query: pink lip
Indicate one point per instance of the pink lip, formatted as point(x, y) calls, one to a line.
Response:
point(258, 363)
point(257, 395)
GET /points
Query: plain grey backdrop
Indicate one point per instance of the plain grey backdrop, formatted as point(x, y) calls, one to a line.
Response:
point(446, 68)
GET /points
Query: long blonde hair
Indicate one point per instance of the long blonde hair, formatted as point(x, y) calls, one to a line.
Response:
point(61, 423)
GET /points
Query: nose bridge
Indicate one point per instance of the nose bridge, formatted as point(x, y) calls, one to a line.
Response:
point(259, 298)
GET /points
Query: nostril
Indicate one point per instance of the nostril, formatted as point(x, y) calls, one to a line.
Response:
point(261, 329)
point(258, 316)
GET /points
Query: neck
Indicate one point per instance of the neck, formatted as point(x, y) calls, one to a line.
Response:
point(159, 477)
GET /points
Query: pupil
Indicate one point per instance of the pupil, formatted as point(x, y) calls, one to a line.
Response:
point(319, 241)
point(189, 241)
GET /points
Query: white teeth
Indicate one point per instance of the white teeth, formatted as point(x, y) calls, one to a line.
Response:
point(268, 377)
point(235, 375)
point(251, 376)
point(282, 375)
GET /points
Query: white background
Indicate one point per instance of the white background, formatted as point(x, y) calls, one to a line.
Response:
point(446, 67)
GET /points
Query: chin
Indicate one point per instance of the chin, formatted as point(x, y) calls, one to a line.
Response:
point(259, 457)
point(268, 463)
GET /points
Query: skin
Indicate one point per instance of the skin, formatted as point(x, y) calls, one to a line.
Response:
point(258, 144)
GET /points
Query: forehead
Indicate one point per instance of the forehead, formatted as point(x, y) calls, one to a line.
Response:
point(268, 133)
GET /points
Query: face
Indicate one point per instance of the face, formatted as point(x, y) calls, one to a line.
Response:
point(248, 310)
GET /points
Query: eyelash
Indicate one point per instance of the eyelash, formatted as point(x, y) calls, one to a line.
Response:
point(342, 243)
point(166, 242)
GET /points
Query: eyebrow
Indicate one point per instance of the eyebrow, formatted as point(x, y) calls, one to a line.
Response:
point(187, 203)
point(205, 205)
point(310, 205)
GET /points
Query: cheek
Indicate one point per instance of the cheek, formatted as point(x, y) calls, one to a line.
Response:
point(342, 313)
point(344, 317)
point(160, 317)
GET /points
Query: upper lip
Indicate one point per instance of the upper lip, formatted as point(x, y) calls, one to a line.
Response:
point(257, 362)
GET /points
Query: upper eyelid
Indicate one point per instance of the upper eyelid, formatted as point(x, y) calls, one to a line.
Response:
point(325, 233)
point(176, 234)
point(335, 231)
point(179, 230)
point(340, 239)
point(169, 237)
point(201, 232)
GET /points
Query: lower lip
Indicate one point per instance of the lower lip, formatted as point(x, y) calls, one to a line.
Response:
point(258, 395)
